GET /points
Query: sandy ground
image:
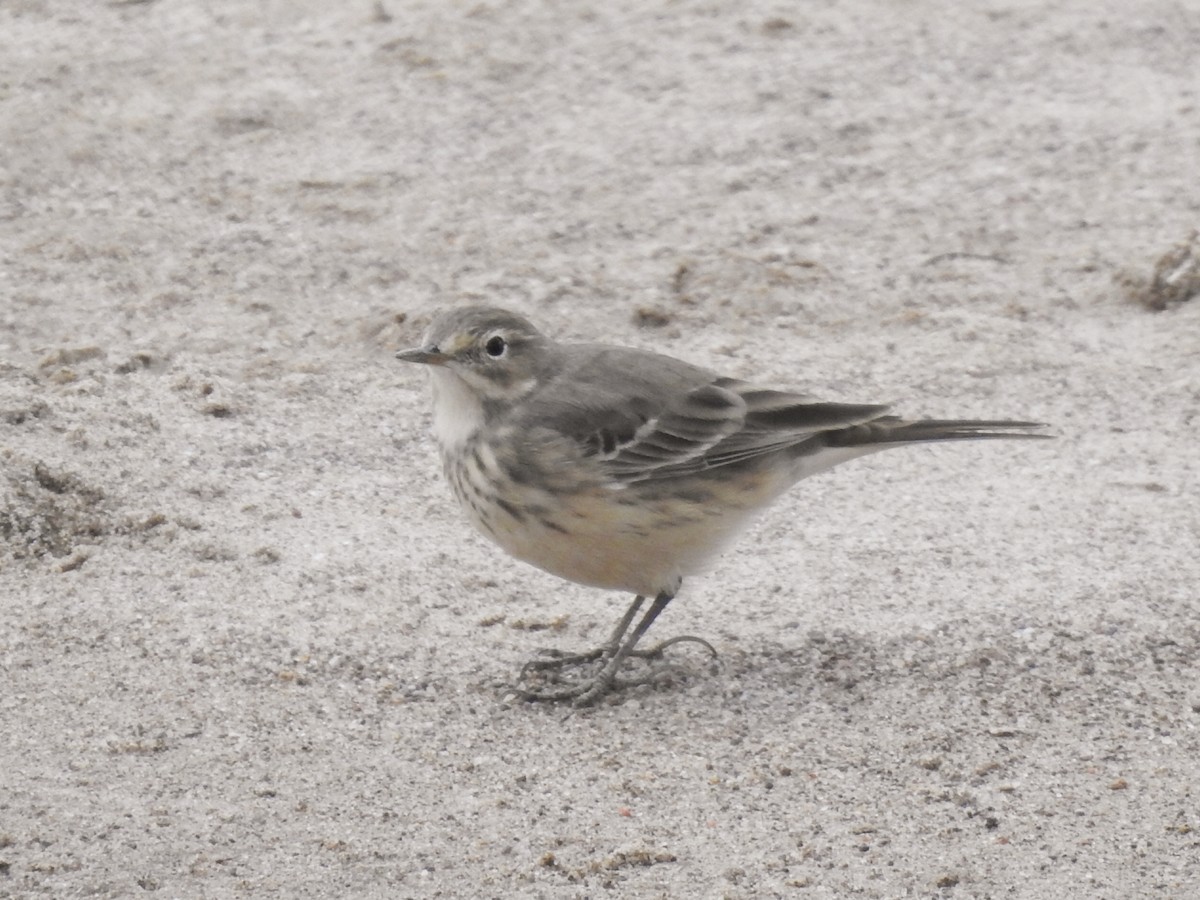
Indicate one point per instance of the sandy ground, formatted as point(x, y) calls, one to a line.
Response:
point(249, 648)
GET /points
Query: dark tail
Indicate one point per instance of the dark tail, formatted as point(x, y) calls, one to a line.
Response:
point(894, 430)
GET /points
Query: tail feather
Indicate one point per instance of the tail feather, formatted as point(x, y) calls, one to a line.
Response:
point(894, 430)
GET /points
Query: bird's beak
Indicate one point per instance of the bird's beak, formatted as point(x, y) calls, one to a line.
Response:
point(428, 356)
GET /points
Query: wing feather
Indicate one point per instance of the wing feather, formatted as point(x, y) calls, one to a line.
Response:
point(725, 423)
point(643, 417)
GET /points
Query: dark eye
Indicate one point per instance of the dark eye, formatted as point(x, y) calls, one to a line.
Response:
point(496, 346)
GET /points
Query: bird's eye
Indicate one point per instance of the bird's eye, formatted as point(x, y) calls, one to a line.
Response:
point(496, 346)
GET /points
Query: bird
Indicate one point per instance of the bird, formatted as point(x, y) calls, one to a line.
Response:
point(626, 469)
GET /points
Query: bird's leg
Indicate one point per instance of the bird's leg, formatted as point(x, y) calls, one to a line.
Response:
point(606, 680)
point(558, 660)
point(613, 653)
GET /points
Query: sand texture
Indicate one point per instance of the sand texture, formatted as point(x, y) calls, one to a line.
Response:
point(248, 646)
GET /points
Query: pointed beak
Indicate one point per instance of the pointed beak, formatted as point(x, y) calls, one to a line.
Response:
point(428, 356)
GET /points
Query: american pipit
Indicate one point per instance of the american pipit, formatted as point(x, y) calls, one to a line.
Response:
point(628, 470)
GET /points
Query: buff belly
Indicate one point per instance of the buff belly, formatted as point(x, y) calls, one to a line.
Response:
point(642, 539)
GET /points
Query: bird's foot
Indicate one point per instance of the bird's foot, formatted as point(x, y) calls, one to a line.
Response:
point(558, 660)
point(588, 691)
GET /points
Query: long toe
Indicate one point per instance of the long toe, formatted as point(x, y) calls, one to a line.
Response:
point(656, 651)
point(592, 690)
point(601, 686)
point(554, 694)
point(554, 686)
point(550, 684)
point(556, 660)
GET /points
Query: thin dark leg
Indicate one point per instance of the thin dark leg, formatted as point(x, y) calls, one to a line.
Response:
point(659, 604)
point(603, 683)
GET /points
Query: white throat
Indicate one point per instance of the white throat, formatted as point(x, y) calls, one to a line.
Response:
point(457, 410)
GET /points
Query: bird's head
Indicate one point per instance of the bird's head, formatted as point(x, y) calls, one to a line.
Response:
point(496, 355)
